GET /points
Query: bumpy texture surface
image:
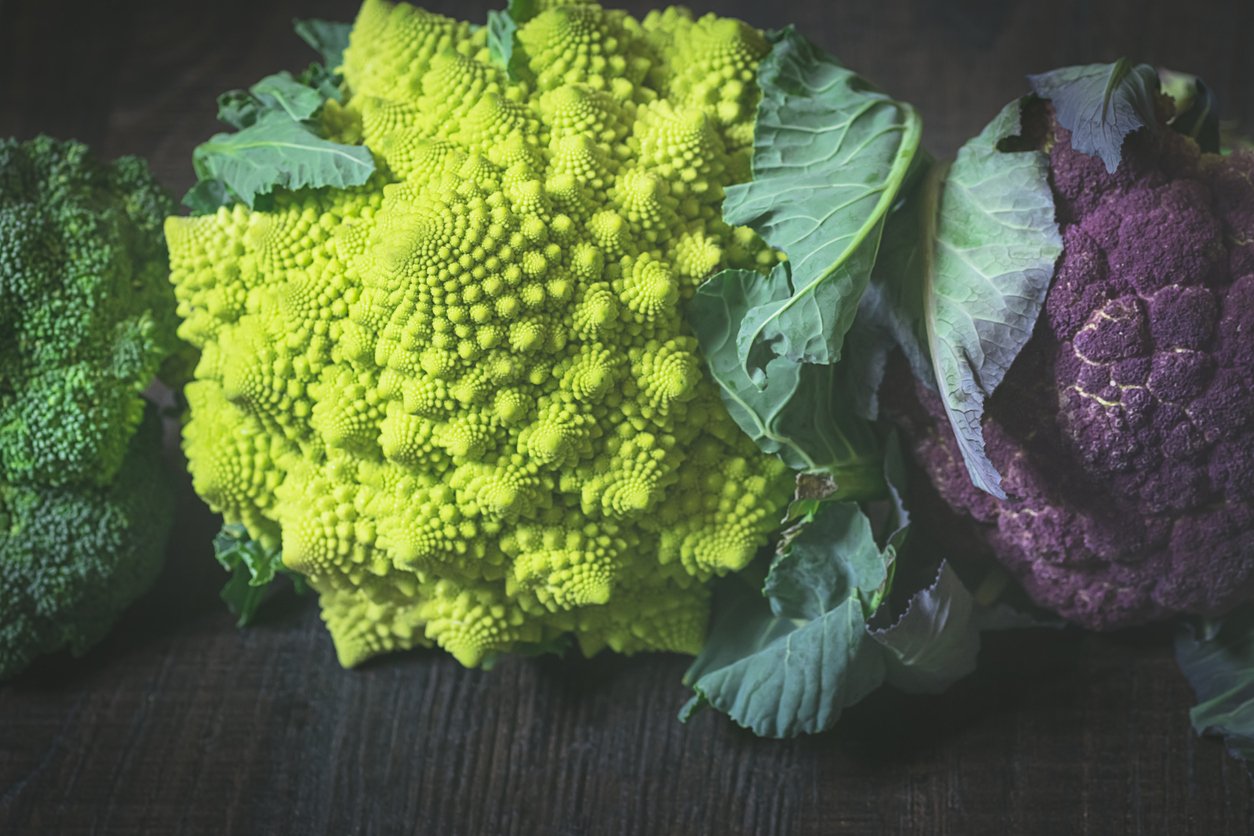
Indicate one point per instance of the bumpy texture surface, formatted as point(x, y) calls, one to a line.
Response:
point(86, 319)
point(1125, 429)
point(463, 396)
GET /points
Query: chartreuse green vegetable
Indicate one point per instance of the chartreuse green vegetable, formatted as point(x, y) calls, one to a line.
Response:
point(461, 398)
point(559, 361)
point(86, 320)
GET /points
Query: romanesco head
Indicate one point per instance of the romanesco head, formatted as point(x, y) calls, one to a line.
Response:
point(463, 396)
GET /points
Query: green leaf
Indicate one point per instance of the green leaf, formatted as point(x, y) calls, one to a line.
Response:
point(791, 660)
point(830, 154)
point(522, 10)
point(803, 414)
point(779, 677)
point(833, 556)
point(279, 92)
point(323, 80)
point(283, 92)
point(936, 640)
point(993, 244)
point(790, 663)
point(238, 108)
point(1218, 660)
point(253, 569)
point(966, 264)
point(207, 196)
point(502, 26)
point(278, 144)
point(890, 315)
point(328, 38)
point(501, 29)
point(276, 152)
point(1197, 108)
point(1100, 104)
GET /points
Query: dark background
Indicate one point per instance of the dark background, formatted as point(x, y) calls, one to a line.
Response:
point(179, 723)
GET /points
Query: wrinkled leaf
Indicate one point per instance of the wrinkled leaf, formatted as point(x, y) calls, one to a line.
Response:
point(992, 261)
point(279, 92)
point(283, 92)
point(834, 556)
point(502, 25)
point(327, 37)
point(830, 154)
point(896, 479)
point(890, 315)
point(810, 491)
point(501, 29)
point(238, 108)
point(803, 415)
point(786, 679)
point(207, 196)
point(1197, 108)
point(1100, 104)
point(789, 663)
point(791, 660)
point(253, 569)
point(327, 83)
point(276, 152)
point(1218, 660)
point(522, 10)
point(936, 640)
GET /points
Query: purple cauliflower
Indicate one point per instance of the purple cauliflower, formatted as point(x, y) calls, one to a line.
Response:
point(1124, 431)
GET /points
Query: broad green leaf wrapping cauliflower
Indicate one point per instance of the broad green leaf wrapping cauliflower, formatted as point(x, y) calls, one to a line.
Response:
point(463, 397)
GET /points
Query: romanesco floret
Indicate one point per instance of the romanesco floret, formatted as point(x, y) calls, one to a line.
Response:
point(463, 396)
point(86, 319)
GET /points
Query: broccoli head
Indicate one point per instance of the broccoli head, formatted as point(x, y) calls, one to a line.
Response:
point(72, 557)
point(463, 396)
point(86, 320)
point(1124, 431)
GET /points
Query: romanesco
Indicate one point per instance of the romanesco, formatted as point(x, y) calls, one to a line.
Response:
point(86, 318)
point(463, 396)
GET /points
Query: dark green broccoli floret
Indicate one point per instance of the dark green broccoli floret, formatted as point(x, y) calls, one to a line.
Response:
point(86, 320)
point(86, 315)
point(72, 557)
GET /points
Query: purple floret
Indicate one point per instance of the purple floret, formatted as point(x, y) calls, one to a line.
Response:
point(1125, 429)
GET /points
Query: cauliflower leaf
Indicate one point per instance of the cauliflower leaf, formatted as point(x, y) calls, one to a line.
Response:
point(830, 155)
point(964, 278)
point(1100, 104)
point(790, 660)
point(1217, 657)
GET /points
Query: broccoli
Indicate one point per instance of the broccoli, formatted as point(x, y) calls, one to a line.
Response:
point(1124, 430)
point(462, 396)
point(86, 319)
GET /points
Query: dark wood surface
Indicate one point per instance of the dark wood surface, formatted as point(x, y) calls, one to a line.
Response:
point(179, 723)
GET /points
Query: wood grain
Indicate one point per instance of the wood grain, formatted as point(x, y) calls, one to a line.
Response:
point(180, 724)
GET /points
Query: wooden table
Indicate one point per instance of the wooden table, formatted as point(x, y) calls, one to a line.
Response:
point(179, 723)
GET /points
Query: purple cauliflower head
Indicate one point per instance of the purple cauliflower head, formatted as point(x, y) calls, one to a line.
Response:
point(1124, 431)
